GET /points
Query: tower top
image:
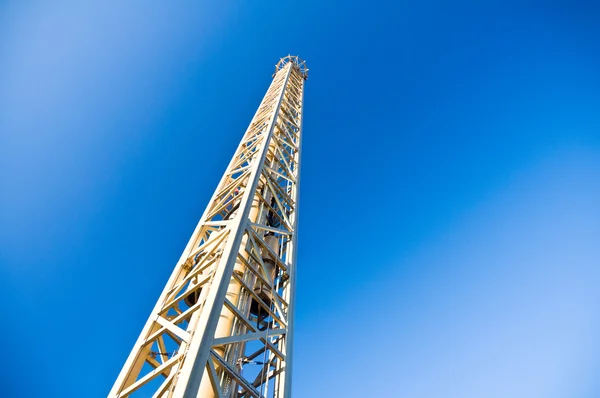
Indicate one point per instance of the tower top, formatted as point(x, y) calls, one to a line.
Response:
point(297, 61)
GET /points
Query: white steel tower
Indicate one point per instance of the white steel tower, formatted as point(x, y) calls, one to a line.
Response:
point(223, 325)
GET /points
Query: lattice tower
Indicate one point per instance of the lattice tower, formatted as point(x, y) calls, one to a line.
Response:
point(223, 325)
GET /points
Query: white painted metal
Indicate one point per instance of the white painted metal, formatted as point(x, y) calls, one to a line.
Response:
point(223, 325)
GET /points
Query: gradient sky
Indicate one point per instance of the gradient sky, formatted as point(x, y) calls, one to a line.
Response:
point(450, 204)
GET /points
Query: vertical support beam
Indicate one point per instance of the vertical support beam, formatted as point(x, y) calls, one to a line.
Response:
point(293, 252)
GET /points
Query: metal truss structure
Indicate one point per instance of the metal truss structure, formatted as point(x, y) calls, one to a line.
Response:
point(223, 325)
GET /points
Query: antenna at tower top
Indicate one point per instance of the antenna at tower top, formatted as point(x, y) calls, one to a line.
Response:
point(297, 61)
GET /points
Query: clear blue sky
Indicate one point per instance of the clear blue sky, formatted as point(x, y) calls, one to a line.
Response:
point(457, 143)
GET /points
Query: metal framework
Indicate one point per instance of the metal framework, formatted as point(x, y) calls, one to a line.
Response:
point(223, 325)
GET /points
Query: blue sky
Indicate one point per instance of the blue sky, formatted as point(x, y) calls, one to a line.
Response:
point(457, 143)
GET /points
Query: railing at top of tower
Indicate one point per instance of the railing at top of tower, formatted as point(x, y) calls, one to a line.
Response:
point(298, 62)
